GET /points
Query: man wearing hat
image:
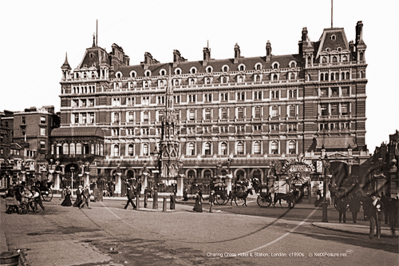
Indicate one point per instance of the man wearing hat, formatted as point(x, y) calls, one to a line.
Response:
point(211, 200)
point(86, 197)
point(130, 196)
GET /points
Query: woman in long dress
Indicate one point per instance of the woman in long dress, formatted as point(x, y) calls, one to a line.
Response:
point(198, 203)
point(67, 200)
point(78, 200)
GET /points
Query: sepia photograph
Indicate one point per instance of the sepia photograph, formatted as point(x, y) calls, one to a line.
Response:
point(188, 132)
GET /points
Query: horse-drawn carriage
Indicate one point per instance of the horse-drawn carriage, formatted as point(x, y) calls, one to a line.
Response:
point(221, 196)
point(264, 198)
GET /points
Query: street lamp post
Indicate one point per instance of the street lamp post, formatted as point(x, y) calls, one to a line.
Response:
point(72, 169)
point(326, 165)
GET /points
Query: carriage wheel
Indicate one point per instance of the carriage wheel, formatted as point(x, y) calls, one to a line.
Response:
point(291, 204)
point(263, 202)
point(219, 200)
point(47, 196)
point(9, 209)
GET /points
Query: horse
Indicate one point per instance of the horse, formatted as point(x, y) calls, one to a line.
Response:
point(258, 186)
point(240, 195)
point(289, 197)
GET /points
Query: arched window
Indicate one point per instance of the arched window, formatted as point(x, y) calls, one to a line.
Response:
point(275, 65)
point(324, 60)
point(344, 59)
point(342, 75)
point(193, 70)
point(291, 147)
point(257, 147)
point(145, 149)
point(332, 76)
point(130, 150)
point(78, 148)
point(275, 77)
point(207, 174)
point(223, 148)
point(191, 149)
point(72, 148)
point(347, 75)
point(274, 147)
point(335, 60)
point(116, 150)
point(207, 148)
point(258, 66)
point(65, 148)
point(240, 147)
point(361, 56)
point(225, 68)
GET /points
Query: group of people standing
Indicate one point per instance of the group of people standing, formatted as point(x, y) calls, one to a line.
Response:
point(374, 207)
point(199, 198)
point(82, 197)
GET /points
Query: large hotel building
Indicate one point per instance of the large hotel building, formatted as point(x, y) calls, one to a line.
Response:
point(247, 113)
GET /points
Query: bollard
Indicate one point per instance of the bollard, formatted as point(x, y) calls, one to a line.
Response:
point(155, 200)
point(145, 200)
point(164, 204)
point(172, 202)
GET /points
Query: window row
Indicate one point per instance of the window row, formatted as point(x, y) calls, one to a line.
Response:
point(83, 118)
point(334, 91)
point(327, 109)
point(84, 89)
point(85, 74)
point(334, 58)
point(82, 102)
point(77, 149)
point(331, 76)
point(335, 126)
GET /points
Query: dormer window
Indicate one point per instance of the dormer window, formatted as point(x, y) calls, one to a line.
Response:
point(292, 64)
point(133, 74)
point(339, 49)
point(119, 75)
point(177, 71)
point(209, 69)
point(327, 49)
point(147, 73)
point(258, 66)
point(225, 68)
point(91, 55)
point(193, 70)
point(275, 65)
point(162, 72)
point(333, 37)
point(241, 67)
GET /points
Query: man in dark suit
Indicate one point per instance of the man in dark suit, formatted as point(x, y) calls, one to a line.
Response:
point(341, 206)
point(130, 196)
point(373, 214)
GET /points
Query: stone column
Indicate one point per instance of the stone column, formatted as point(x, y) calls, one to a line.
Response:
point(87, 181)
point(118, 184)
point(228, 182)
point(57, 182)
point(180, 186)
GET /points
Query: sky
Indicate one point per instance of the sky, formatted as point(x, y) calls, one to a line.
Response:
point(36, 35)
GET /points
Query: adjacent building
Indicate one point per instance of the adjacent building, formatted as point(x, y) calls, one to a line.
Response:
point(246, 113)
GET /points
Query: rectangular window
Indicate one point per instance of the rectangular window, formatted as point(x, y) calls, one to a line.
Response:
point(344, 108)
point(208, 114)
point(345, 91)
point(335, 92)
point(91, 118)
point(334, 109)
point(145, 117)
point(42, 132)
point(257, 112)
point(274, 94)
point(43, 119)
point(84, 119)
point(23, 120)
point(83, 103)
point(192, 115)
point(76, 118)
point(274, 111)
point(292, 111)
point(240, 113)
point(324, 108)
point(257, 127)
point(42, 144)
point(324, 92)
point(91, 102)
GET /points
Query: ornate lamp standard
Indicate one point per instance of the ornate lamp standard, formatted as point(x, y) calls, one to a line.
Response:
point(326, 166)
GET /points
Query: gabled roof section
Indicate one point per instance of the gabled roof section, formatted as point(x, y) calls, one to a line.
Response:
point(78, 132)
point(92, 58)
point(332, 38)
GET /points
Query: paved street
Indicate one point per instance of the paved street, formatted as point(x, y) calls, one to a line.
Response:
point(107, 234)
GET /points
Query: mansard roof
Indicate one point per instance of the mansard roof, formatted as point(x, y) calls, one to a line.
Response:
point(93, 57)
point(216, 64)
point(326, 40)
point(78, 132)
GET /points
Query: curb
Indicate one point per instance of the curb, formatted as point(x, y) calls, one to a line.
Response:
point(352, 229)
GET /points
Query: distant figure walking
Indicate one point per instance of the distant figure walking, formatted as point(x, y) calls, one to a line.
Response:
point(341, 207)
point(85, 197)
point(354, 207)
point(211, 200)
point(78, 200)
point(198, 204)
point(67, 199)
point(130, 196)
point(185, 195)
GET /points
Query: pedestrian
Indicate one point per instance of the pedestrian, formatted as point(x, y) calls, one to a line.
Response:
point(197, 205)
point(185, 195)
point(67, 199)
point(211, 200)
point(341, 207)
point(130, 196)
point(37, 199)
point(393, 221)
point(200, 194)
point(172, 201)
point(373, 214)
point(145, 197)
point(354, 207)
point(85, 197)
point(366, 204)
point(78, 200)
